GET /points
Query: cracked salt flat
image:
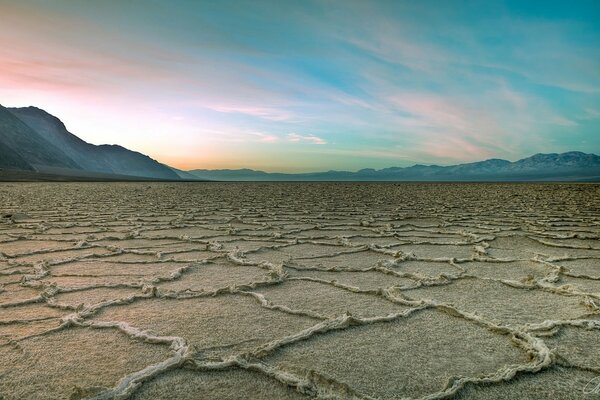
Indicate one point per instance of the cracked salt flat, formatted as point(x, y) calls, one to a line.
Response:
point(259, 291)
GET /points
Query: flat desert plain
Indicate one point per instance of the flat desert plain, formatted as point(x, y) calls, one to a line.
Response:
point(299, 290)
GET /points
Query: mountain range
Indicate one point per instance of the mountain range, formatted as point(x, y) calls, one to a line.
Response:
point(33, 140)
point(36, 145)
point(570, 166)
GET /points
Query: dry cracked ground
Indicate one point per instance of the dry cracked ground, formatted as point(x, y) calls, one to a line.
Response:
point(299, 290)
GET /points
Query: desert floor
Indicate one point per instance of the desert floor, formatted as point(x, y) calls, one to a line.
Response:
point(299, 290)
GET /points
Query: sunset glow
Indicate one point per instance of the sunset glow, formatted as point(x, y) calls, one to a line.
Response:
point(313, 86)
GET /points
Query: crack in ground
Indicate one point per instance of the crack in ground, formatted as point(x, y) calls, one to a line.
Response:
point(283, 240)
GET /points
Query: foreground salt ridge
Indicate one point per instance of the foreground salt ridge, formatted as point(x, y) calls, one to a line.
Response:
point(245, 230)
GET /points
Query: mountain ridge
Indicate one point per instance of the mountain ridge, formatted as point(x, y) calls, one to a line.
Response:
point(22, 147)
point(573, 165)
point(31, 139)
point(24, 144)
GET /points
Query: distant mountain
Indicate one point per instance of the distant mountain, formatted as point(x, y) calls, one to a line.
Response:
point(32, 139)
point(239, 175)
point(184, 175)
point(571, 166)
point(36, 142)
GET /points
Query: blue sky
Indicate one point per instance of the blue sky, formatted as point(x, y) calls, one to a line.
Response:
point(311, 85)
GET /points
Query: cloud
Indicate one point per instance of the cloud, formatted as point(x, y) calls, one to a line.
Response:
point(312, 139)
point(591, 114)
point(265, 137)
point(558, 120)
point(272, 114)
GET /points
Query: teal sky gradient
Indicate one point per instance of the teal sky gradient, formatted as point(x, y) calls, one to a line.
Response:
point(311, 85)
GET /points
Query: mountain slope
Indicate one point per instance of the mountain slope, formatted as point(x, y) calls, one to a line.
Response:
point(21, 147)
point(111, 159)
point(184, 174)
point(9, 159)
point(566, 166)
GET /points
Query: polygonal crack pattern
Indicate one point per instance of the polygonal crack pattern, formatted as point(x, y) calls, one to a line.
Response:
point(299, 290)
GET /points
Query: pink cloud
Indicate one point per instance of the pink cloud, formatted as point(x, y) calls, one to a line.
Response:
point(483, 128)
point(432, 110)
point(455, 148)
point(265, 137)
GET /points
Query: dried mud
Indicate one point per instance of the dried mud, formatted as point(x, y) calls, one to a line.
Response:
point(299, 290)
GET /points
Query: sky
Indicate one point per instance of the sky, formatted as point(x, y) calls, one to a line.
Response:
point(308, 85)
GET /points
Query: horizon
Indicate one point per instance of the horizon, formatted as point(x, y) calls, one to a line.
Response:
point(407, 166)
point(311, 87)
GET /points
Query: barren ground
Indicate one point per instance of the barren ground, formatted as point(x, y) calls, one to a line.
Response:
point(299, 290)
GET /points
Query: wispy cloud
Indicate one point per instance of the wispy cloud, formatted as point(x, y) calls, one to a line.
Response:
point(268, 113)
point(265, 137)
point(312, 139)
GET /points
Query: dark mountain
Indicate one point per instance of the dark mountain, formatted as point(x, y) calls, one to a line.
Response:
point(21, 147)
point(571, 166)
point(10, 159)
point(45, 144)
